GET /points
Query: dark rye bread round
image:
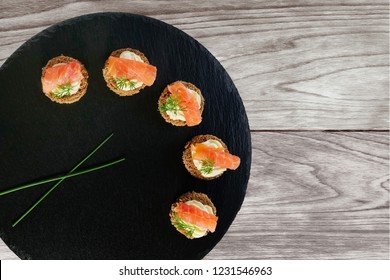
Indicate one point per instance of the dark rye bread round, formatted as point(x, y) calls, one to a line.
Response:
point(201, 197)
point(83, 85)
point(164, 96)
point(110, 80)
point(187, 157)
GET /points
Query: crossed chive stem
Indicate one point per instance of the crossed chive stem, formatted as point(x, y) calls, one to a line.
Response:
point(60, 179)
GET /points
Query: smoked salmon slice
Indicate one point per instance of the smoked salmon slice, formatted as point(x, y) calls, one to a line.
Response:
point(61, 74)
point(131, 70)
point(218, 156)
point(195, 216)
point(188, 103)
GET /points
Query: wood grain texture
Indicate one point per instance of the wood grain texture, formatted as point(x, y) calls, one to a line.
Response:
point(311, 195)
point(297, 64)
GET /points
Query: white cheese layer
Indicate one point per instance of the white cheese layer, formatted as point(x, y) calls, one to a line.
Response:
point(178, 114)
point(216, 170)
point(131, 56)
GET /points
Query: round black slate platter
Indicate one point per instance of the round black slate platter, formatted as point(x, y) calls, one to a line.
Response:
point(120, 212)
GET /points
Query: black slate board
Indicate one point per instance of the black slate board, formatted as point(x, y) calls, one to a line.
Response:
point(122, 211)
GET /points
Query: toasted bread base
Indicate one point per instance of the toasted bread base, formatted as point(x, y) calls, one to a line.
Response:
point(187, 157)
point(110, 80)
point(83, 85)
point(164, 96)
point(204, 199)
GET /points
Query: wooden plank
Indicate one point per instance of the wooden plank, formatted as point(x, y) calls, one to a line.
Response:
point(311, 195)
point(300, 65)
point(6, 253)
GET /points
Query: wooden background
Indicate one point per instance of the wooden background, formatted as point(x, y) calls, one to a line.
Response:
point(314, 78)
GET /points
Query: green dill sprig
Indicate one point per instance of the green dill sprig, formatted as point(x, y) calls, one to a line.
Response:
point(123, 83)
point(207, 166)
point(180, 224)
point(172, 104)
point(62, 91)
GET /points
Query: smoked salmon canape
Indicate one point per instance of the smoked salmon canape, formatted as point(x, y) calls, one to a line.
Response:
point(181, 103)
point(64, 79)
point(194, 215)
point(206, 157)
point(127, 71)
